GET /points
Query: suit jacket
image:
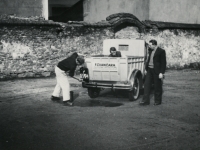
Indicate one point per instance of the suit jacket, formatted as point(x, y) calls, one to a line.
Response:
point(159, 61)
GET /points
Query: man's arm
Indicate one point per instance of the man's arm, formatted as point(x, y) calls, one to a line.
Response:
point(71, 72)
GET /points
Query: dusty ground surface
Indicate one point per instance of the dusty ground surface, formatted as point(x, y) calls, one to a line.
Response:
point(29, 120)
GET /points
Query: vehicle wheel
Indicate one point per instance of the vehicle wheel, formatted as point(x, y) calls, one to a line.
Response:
point(93, 92)
point(135, 93)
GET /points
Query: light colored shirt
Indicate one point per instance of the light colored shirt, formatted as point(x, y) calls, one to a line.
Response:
point(151, 58)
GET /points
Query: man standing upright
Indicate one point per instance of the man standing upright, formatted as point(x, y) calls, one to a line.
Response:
point(155, 67)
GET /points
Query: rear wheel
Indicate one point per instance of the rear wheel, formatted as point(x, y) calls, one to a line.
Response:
point(135, 93)
point(93, 92)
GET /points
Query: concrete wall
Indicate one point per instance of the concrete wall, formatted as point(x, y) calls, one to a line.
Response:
point(179, 11)
point(97, 10)
point(24, 8)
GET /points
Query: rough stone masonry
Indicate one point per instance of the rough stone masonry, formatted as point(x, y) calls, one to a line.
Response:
point(33, 46)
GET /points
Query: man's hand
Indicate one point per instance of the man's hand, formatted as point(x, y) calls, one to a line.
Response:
point(161, 76)
point(80, 80)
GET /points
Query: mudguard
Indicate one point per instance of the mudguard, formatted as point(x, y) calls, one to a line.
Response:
point(133, 75)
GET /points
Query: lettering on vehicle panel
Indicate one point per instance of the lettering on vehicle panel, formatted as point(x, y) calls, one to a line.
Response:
point(108, 66)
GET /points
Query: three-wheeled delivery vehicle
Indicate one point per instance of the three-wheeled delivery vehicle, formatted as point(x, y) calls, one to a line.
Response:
point(126, 72)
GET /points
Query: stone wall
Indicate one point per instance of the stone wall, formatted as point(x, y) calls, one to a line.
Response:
point(182, 46)
point(31, 48)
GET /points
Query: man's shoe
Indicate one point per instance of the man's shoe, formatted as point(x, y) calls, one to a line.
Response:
point(144, 103)
point(54, 98)
point(157, 104)
point(68, 103)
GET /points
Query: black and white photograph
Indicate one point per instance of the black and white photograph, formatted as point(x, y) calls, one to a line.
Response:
point(99, 75)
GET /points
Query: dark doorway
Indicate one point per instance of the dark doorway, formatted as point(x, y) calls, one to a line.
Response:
point(64, 12)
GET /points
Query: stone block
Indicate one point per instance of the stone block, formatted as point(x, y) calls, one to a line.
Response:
point(13, 75)
point(46, 74)
point(21, 75)
point(30, 74)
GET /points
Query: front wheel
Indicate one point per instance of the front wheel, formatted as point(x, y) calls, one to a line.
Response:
point(135, 93)
point(93, 92)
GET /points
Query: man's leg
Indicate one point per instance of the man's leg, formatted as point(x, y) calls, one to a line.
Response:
point(158, 90)
point(147, 87)
point(56, 92)
point(57, 89)
point(64, 83)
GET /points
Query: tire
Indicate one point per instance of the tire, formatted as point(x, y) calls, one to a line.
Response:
point(135, 93)
point(93, 92)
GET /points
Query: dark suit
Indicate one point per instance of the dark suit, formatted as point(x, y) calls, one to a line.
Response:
point(159, 63)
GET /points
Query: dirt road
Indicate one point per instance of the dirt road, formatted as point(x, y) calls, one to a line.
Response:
point(30, 121)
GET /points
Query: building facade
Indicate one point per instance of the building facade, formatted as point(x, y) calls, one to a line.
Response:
point(177, 11)
point(24, 8)
point(95, 10)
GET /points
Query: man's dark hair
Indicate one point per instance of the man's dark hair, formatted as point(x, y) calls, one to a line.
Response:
point(113, 49)
point(81, 60)
point(154, 42)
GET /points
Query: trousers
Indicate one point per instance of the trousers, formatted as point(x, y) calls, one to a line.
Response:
point(61, 85)
point(151, 78)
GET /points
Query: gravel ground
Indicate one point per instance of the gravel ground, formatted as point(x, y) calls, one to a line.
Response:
point(31, 121)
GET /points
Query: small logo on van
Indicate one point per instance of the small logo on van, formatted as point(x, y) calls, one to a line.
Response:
point(105, 66)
